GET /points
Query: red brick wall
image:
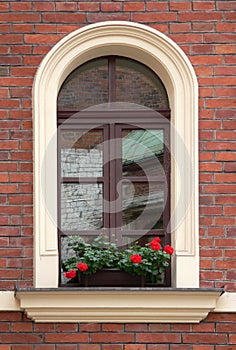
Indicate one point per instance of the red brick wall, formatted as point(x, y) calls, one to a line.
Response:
point(205, 31)
point(217, 332)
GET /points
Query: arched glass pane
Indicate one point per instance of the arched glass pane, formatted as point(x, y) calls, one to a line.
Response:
point(85, 87)
point(136, 83)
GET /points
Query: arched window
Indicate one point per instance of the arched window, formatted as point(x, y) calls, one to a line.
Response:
point(166, 60)
point(113, 156)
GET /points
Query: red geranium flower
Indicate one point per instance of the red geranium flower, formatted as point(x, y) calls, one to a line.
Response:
point(136, 258)
point(82, 266)
point(169, 250)
point(70, 274)
point(155, 245)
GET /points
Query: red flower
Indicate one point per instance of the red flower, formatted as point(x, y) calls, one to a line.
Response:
point(82, 266)
point(136, 258)
point(70, 274)
point(168, 249)
point(155, 243)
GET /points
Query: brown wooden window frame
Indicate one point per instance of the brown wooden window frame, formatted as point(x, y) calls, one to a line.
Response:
point(112, 170)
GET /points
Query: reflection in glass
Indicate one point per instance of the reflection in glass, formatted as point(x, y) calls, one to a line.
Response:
point(81, 153)
point(142, 205)
point(136, 83)
point(86, 86)
point(81, 206)
point(142, 152)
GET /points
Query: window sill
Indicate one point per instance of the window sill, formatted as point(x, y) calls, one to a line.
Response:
point(121, 305)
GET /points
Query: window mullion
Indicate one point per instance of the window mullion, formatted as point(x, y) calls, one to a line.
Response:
point(112, 78)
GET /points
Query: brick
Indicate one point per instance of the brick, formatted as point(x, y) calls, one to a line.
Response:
point(199, 16)
point(112, 338)
point(90, 6)
point(43, 6)
point(210, 253)
point(177, 5)
point(203, 327)
point(135, 347)
point(205, 338)
point(111, 7)
point(210, 124)
point(89, 327)
point(97, 17)
point(220, 188)
point(225, 91)
point(47, 347)
point(203, 27)
point(203, 347)
point(159, 337)
point(11, 38)
point(224, 221)
point(206, 264)
point(203, 48)
point(158, 347)
point(229, 124)
point(22, 28)
point(225, 199)
point(179, 27)
point(210, 167)
point(19, 17)
point(23, 71)
point(72, 327)
point(225, 178)
point(63, 17)
point(180, 347)
point(46, 28)
point(225, 135)
point(20, 338)
point(225, 49)
point(66, 338)
point(206, 60)
point(154, 17)
point(9, 231)
point(66, 6)
point(41, 38)
point(156, 6)
point(226, 27)
point(230, 167)
point(220, 146)
point(23, 6)
point(8, 188)
point(116, 327)
point(226, 157)
point(88, 347)
point(9, 81)
point(226, 5)
point(204, 5)
point(133, 327)
point(22, 327)
point(226, 265)
point(111, 347)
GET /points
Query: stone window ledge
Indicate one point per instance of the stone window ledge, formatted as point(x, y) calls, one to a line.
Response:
point(119, 305)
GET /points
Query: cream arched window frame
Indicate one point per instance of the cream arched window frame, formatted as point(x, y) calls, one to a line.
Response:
point(168, 61)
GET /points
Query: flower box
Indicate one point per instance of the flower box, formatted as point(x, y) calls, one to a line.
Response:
point(102, 264)
point(111, 278)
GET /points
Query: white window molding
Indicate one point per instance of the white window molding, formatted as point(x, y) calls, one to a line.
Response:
point(119, 306)
point(164, 57)
point(11, 301)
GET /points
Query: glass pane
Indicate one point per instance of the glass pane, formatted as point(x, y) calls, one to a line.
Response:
point(142, 152)
point(142, 205)
point(81, 206)
point(86, 86)
point(136, 83)
point(141, 240)
point(81, 153)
